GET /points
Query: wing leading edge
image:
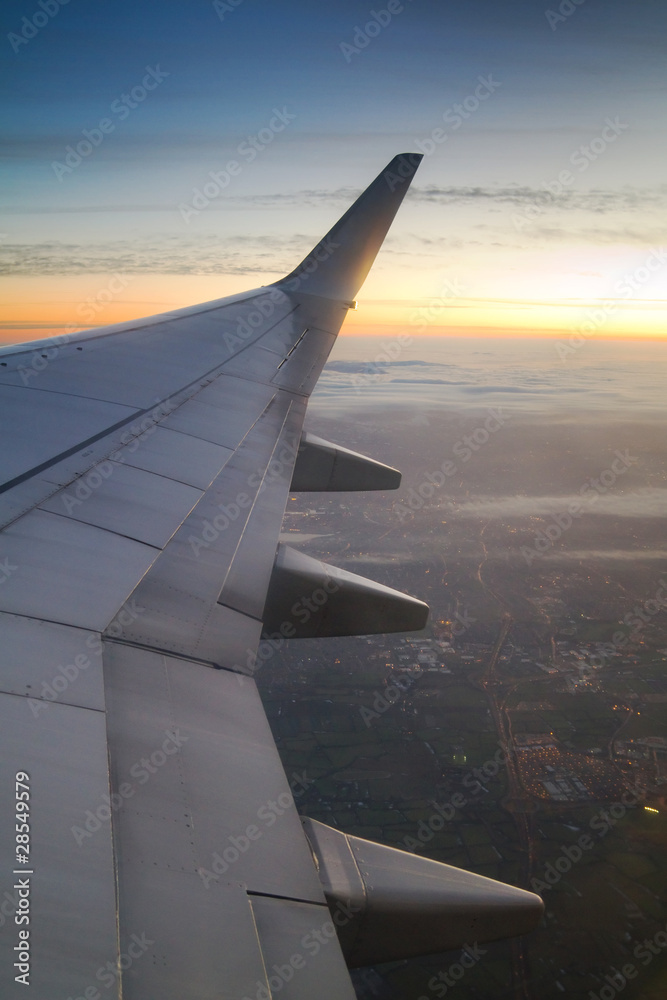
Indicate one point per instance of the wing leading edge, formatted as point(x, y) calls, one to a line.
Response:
point(140, 508)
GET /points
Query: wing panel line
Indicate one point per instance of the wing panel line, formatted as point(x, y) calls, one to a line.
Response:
point(122, 423)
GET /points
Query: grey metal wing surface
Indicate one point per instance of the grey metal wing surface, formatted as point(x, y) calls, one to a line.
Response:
point(150, 843)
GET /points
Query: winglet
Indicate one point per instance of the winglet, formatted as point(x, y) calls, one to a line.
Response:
point(337, 267)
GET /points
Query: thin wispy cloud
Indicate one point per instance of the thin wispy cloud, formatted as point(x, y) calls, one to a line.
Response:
point(599, 201)
point(595, 200)
point(299, 199)
point(202, 254)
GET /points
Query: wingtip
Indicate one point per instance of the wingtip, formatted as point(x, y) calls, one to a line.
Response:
point(401, 168)
point(337, 267)
point(412, 159)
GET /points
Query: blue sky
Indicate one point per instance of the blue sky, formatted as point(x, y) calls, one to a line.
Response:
point(552, 85)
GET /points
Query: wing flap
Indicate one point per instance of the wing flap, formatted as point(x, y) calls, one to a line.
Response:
point(301, 951)
point(218, 774)
point(71, 894)
point(166, 960)
point(205, 815)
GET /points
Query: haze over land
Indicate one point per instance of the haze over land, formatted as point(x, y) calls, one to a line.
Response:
point(531, 517)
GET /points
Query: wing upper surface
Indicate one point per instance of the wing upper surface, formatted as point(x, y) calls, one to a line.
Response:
point(143, 479)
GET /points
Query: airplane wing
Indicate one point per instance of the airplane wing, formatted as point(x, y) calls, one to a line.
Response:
point(151, 848)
